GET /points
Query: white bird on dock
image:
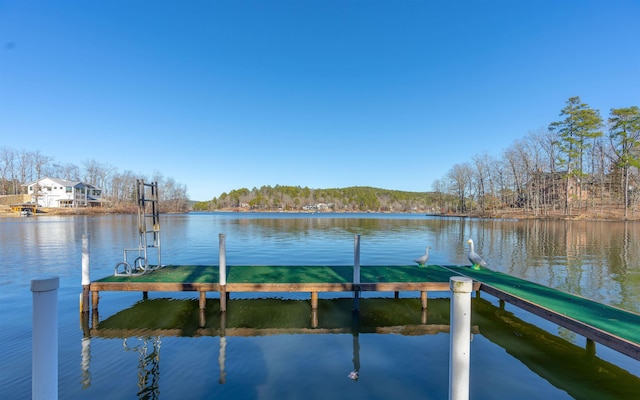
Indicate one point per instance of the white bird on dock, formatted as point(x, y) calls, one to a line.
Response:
point(423, 260)
point(476, 260)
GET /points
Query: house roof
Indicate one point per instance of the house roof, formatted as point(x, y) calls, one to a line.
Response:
point(61, 182)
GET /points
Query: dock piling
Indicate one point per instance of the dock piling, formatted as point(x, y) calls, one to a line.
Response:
point(356, 273)
point(222, 265)
point(86, 279)
point(460, 337)
point(44, 350)
point(423, 299)
point(203, 300)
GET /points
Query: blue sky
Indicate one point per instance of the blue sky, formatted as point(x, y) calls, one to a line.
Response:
point(221, 95)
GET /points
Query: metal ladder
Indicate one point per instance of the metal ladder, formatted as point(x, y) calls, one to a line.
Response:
point(146, 259)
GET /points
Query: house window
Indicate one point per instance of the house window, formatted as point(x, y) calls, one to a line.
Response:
point(67, 189)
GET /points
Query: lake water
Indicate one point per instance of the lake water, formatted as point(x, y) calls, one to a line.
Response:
point(158, 348)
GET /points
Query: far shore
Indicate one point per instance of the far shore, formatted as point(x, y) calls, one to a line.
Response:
point(612, 214)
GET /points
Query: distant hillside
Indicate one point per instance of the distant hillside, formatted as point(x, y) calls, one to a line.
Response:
point(296, 198)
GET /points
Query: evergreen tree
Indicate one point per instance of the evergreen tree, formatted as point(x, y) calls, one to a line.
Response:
point(624, 133)
point(580, 124)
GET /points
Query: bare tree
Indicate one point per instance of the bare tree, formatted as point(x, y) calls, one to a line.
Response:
point(7, 171)
point(460, 178)
point(482, 177)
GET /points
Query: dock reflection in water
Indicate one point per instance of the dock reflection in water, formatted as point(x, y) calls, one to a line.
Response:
point(571, 368)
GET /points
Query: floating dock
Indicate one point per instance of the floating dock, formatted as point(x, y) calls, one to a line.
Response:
point(610, 326)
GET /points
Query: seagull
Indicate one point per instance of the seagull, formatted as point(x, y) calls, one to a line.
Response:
point(423, 260)
point(475, 258)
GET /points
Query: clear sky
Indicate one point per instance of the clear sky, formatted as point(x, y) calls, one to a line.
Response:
point(221, 95)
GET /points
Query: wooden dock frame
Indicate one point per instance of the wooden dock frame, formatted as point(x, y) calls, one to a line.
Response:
point(592, 334)
point(225, 289)
point(313, 288)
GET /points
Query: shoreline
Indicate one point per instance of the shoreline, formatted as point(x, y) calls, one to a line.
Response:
point(589, 215)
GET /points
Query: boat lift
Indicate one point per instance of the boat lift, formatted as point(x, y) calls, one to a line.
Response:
point(146, 257)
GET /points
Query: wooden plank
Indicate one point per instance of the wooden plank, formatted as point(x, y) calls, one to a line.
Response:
point(289, 287)
point(154, 287)
point(271, 287)
point(409, 286)
point(605, 338)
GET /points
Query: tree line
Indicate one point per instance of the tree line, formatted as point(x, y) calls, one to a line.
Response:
point(20, 167)
point(296, 198)
point(578, 164)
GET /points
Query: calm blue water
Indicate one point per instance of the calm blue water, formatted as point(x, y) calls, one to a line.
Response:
point(598, 260)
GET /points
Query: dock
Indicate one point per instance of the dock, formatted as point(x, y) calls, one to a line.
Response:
point(279, 279)
point(610, 326)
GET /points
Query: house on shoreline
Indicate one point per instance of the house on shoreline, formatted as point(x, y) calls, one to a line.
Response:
point(61, 193)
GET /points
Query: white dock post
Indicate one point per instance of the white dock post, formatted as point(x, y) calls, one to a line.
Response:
point(356, 272)
point(44, 348)
point(223, 271)
point(460, 342)
point(86, 279)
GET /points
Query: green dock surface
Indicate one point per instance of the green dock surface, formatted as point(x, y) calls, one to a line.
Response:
point(618, 322)
point(288, 274)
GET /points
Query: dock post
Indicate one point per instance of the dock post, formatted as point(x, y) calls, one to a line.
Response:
point(95, 299)
point(460, 337)
point(590, 347)
point(86, 279)
point(223, 271)
point(203, 300)
point(423, 299)
point(314, 309)
point(44, 347)
point(356, 273)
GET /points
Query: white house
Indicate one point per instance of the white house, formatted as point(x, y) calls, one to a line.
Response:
point(53, 192)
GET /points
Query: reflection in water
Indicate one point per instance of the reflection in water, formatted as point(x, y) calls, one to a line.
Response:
point(574, 369)
point(85, 380)
point(581, 257)
point(355, 373)
point(148, 350)
point(571, 368)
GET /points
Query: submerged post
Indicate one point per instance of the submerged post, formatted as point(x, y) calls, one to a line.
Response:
point(356, 272)
point(223, 271)
point(86, 279)
point(460, 337)
point(44, 348)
